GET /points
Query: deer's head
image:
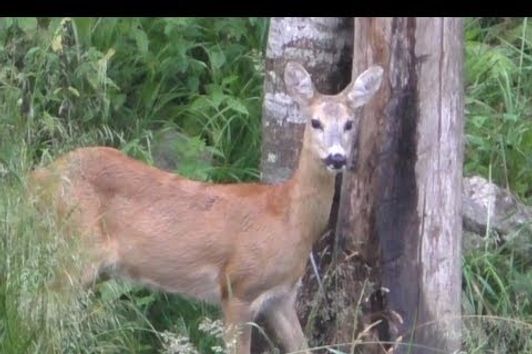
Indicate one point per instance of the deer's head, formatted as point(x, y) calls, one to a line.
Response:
point(332, 123)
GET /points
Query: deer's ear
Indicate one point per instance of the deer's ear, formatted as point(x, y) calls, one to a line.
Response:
point(298, 83)
point(364, 87)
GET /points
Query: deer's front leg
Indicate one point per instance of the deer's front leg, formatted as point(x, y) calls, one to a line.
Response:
point(237, 315)
point(282, 318)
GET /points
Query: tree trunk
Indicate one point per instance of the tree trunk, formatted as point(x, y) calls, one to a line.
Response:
point(400, 210)
point(324, 47)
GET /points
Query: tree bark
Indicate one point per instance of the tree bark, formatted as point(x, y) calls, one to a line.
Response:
point(400, 210)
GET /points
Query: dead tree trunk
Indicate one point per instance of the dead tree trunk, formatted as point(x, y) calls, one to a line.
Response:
point(400, 210)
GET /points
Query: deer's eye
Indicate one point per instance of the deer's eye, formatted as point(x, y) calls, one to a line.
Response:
point(348, 125)
point(316, 124)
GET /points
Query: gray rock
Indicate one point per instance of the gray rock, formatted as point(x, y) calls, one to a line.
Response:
point(489, 207)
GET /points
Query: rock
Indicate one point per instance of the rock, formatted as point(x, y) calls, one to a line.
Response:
point(174, 151)
point(487, 206)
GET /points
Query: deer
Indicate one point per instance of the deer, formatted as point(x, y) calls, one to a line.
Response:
point(241, 246)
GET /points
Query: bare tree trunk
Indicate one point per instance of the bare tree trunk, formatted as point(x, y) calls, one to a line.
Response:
point(324, 47)
point(400, 210)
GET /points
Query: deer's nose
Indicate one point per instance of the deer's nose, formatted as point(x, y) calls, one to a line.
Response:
point(336, 161)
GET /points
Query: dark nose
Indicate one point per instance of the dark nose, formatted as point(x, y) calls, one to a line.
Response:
point(336, 161)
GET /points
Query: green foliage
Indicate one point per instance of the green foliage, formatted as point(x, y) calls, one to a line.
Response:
point(198, 74)
point(497, 297)
point(498, 102)
point(497, 292)
point(115, 81)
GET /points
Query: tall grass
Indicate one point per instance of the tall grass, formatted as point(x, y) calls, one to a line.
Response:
point(498, 280)
point(499, 101)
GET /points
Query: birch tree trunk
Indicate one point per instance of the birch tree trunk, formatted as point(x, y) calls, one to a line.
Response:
point(400, 210)
point(324, 46)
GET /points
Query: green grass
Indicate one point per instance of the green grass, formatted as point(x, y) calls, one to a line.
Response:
point(497, 280)
point(124, 82)
point(499, 102)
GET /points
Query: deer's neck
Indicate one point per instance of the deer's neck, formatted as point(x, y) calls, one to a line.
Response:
point(312, 195)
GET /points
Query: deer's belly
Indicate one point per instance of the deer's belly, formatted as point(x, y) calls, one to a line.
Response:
point(201, 283)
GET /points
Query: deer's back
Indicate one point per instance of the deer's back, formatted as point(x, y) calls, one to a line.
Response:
point(171, 232)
